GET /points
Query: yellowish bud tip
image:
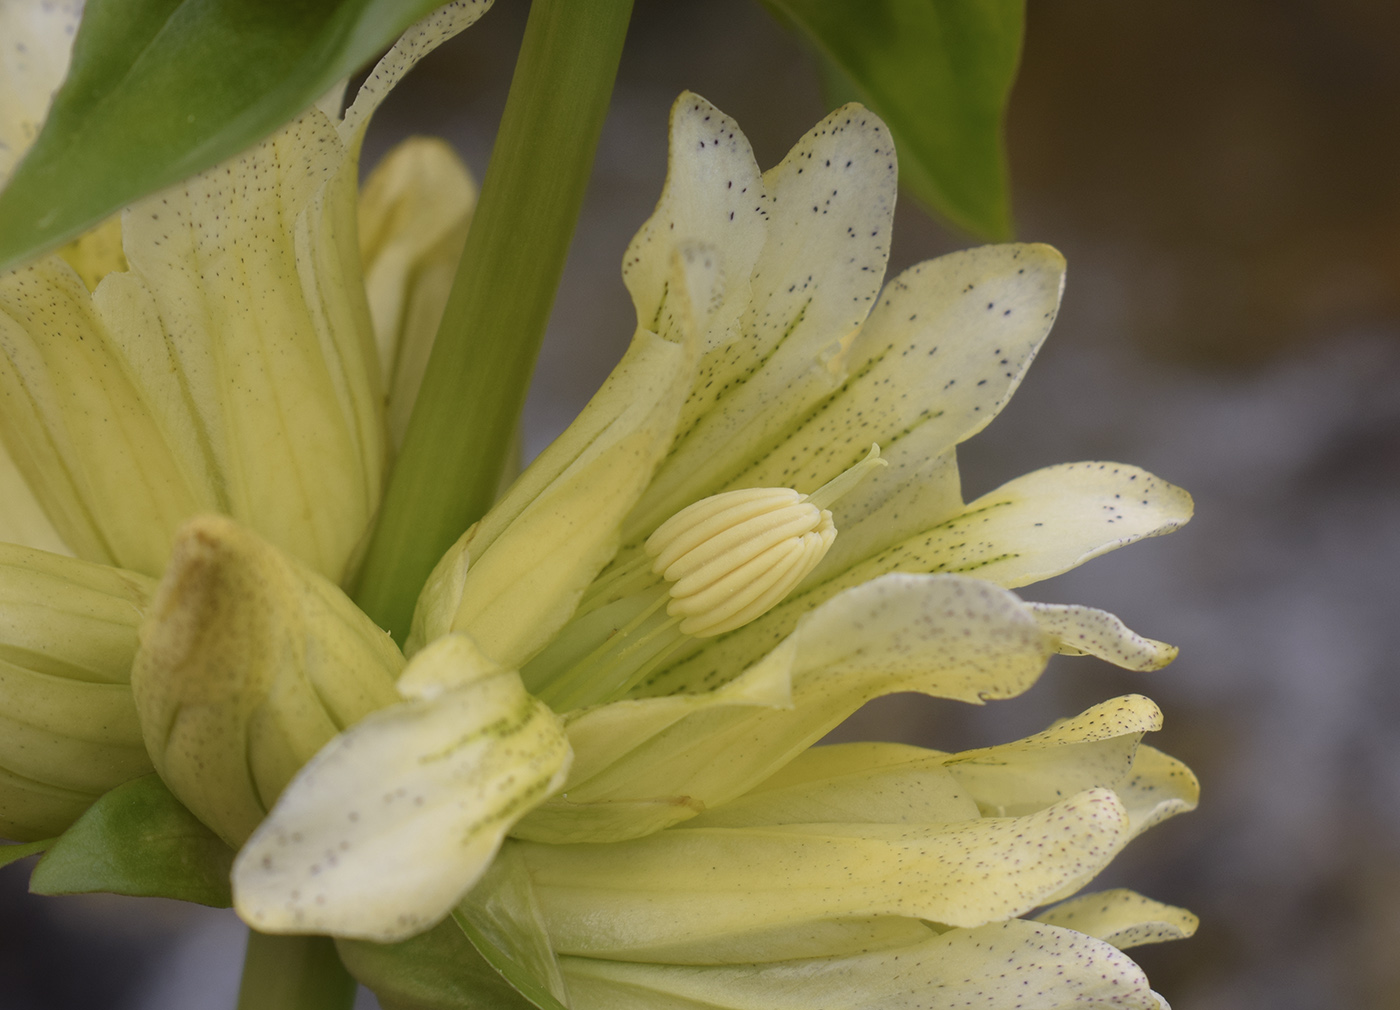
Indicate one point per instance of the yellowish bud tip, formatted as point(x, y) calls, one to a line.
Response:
point(732, 557)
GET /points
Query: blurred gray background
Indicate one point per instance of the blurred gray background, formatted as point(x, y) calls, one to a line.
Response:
point(1222, 179)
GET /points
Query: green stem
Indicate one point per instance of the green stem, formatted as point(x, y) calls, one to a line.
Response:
point(294, 973)
point(457, 439)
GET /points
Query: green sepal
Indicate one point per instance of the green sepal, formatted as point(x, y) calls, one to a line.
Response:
point(138, 839)
point(159, 90)
point(436, 970)
point(14, 853)
point(939, 74)
point(501, 917)
point(522, 981)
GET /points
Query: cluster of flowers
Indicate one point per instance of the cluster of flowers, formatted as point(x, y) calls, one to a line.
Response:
point(596, 747)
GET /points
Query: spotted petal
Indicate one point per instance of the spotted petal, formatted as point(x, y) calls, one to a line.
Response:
point(1017, 963)
point(625, 898)
point(1122, 918)
point(228, 356)
point(830, 205)
point(948, 637)
point(391, 823)
point(36, 40)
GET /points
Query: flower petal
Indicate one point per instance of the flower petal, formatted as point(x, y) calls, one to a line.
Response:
point(1099, 748)
point(1085, 631)
point(938, 358)
point(1122, 918)
point(625, 898)
point(22, 518)
point(390, 824)
point(96, 253)
point(421, 38)
point(1039, 525)
point(117, 477)
point(1094, 749)
point(607, 734)
point(830, 206)
point(414, 212)
point(713, 196)
point(251, 270)
point(36, 40)
point(1160, 787)
point(31, 811)
point(1031, 528)
point(68, 725)
point(1025, 964)
point(515, 578)
point(948, 637)
point(854, 783)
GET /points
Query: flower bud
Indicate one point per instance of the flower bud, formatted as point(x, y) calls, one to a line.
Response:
point(68, 726)
point(248, 664)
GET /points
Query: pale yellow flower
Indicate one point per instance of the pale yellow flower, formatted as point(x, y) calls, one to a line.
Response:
point(707, 572)
point(762, 360)
point(213, 348)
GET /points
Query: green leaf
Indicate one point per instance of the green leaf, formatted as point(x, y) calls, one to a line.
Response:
point(159, 90)
point(436, 970)
point(138, 839)
point(939, 72)
point(14, 853)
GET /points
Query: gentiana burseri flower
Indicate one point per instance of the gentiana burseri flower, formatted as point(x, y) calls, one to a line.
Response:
point(753, 528)
point(595, 751)
point(227, 345)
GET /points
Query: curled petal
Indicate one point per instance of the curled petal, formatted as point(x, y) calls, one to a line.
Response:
point(1122, 918)
point(1094, 749)
point(1084, 631)
point(390, 824)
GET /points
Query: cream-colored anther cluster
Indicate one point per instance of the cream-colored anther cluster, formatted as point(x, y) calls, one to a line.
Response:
point(732, 557)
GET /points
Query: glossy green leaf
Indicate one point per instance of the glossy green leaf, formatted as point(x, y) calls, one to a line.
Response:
point(138, 839)
point(161, 89)
point(939, 73)
point(436, 970)
point(14, 853)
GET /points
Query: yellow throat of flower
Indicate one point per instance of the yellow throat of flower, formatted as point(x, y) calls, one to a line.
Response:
point(714, 566)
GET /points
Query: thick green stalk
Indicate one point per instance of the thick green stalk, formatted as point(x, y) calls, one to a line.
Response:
point(294, 973)
point(458, 437)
